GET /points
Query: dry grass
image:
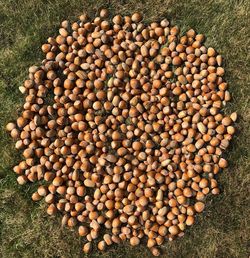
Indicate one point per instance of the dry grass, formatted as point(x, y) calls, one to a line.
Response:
point(223, 229)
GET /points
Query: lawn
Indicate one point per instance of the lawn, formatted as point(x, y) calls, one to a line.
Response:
point(223, 230)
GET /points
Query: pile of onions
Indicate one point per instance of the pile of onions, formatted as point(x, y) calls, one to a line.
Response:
point(131, 142)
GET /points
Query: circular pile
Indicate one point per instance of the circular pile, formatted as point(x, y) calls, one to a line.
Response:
point(135, 133)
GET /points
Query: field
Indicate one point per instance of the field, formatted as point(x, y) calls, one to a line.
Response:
point(223, 230)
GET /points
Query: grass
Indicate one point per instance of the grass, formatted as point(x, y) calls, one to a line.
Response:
point(223, 229)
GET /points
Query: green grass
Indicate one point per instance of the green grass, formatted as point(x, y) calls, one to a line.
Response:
point(223, 230)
